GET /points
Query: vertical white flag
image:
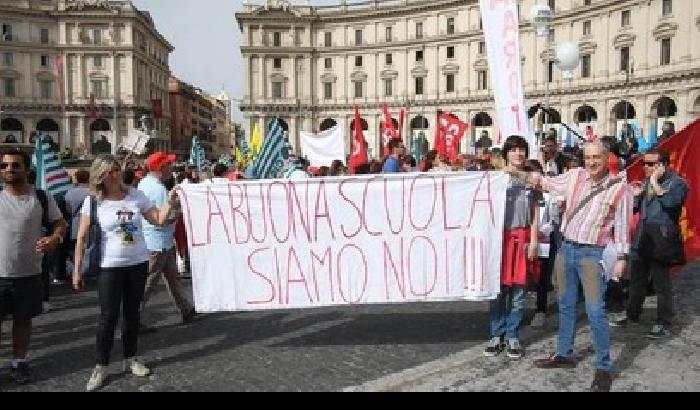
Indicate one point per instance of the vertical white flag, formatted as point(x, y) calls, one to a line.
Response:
point(501, 31)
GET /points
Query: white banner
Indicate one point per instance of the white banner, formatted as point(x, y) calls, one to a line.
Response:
point(135, 142)
point(343, 241)
point(323, 148)
point(501, 30)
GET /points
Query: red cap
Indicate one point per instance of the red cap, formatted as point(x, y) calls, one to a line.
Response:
point(157, 160)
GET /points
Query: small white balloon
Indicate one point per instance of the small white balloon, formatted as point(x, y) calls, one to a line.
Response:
point(568, 56)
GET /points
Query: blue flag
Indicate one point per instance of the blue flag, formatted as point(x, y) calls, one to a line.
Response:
point(270, 163)
point(51, 176)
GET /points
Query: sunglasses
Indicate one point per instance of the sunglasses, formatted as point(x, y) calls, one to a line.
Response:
point(650, 164)
point(11, 165)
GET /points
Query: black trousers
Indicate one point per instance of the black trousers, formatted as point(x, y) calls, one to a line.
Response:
point(120, 288)
point(641, 269)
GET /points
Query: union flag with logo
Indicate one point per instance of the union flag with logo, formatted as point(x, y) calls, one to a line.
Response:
point(448, 134)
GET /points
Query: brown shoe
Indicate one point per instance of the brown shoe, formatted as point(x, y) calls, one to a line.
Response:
point(556, 362)
point(601, 382)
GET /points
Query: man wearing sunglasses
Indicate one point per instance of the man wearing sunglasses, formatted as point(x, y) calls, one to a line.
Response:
point(660, 202)
point(21, 248)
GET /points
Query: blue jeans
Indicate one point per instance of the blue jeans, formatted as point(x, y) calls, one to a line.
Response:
point(507, 312)
point(580, 263)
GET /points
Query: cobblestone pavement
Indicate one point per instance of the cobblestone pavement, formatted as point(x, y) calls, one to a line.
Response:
point(398, 347)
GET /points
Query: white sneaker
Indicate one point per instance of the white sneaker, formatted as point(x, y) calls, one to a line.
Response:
point(136, 368)
point(539, 321)
point(46, 307)
point(97, 379)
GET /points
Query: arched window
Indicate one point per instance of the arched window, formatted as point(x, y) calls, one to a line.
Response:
point(420, 123)
point(327, 124)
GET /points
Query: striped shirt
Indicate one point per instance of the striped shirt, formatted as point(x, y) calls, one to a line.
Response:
point(607, 217)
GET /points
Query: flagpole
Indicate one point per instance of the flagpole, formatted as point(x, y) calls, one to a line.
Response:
point(116, 114)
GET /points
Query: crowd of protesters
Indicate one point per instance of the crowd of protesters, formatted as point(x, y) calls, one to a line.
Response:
point(562, 211)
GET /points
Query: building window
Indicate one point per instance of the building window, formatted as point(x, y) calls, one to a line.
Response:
point(388, 35)
point(482, 48)
point(10, 89)
point(450, 52)
point(550, 72)
point(44, 35)
point(626, 18)
point(99, 88)
point(97, 61)
point(277, 89)
point(482, 80)
point(358, 61)
point(45, 88)
point(358, 37)
point(388, 88)
point(328, 63)
point(552, 4)
point(328, 91)
point(8, 59)
point(624, 59)
point(450, 83)
point(389, 59)
point(586, 2)
point(419, 30)
point(419, 85)
point(97, 36)
point(666, 51)
point(7, 32)
point(44, 61)
point(587, 28)
point(277, 63)
point(666, 7)
point(451, 25)
point(481, 23)
point(328, 39)
point(277, 39)
point(551, 36)
point(586, 66)
point(358, 89)
point(419, 56)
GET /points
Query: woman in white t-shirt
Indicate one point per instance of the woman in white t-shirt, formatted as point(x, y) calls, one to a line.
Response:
point(124, 260)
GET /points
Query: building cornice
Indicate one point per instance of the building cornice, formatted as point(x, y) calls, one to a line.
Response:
point(270, 106)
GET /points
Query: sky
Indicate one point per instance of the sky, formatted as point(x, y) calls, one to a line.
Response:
point(206, 40)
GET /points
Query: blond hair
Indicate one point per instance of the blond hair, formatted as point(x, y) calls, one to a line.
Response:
point(99, 170)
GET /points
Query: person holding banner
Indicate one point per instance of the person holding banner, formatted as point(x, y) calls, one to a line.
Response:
point(120, 214)
point(520, 247)
point(599, 210)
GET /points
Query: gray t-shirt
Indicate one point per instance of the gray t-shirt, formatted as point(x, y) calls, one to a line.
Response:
point(21, 229)
point(519, 199)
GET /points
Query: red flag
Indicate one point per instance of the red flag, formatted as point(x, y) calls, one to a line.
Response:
point(590, 135)
point(449, 134)
point(157, 108)
point(388, 131)
point(359, 146)
point(92, 107)
point(61, 95)
point(684, 149)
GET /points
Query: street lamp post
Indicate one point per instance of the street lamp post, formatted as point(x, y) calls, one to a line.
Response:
point(541, 18)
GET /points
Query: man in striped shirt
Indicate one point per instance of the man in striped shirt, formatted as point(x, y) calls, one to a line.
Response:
point(599, 210)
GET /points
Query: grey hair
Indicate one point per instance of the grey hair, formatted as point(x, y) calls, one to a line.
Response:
point(604, 149)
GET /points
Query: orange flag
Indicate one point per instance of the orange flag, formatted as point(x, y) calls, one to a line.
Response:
point(684, 148)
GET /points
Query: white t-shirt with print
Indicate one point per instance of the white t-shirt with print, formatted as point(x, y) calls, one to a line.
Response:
point(123, 244)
